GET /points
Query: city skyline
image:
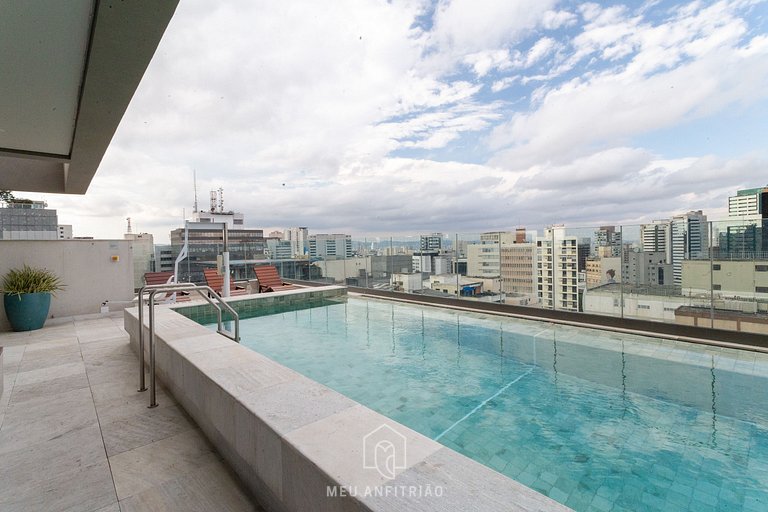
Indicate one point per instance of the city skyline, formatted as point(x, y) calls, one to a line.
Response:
point(417, 116)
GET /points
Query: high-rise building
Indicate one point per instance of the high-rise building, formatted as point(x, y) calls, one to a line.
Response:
point(690, 240)
point(607, 236)
point(23, 219)
point(745, 234)
point(749, 203)
point(657, 237)
point(556, 268)
point(433, 242)
point(245, 245)
point(584, 249)
point(298, 238)
point(330, 246)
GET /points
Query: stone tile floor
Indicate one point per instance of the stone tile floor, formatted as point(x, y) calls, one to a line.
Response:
point(76, 435)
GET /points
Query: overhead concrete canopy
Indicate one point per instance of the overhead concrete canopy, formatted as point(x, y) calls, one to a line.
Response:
point(68, 71)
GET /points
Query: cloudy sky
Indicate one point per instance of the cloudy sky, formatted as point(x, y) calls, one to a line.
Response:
point(407, 116)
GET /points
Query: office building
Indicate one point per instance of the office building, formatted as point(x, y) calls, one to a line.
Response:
point(23, 219)
point(607, 236)
point(330, 247)
point(749, 203)
point(745, 234)
point(433, 242)
point(690, 240)
point(298, 238)
point(484, 258)
point(657, 237)
point(641, 268)
point(278, 249)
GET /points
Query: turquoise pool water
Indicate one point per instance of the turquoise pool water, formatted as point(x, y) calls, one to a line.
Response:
point(595, 420)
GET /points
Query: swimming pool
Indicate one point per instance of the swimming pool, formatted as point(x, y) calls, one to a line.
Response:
point(595, 420)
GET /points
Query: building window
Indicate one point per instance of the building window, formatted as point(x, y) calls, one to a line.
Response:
point(761, 268)
point(717, 287)
point(716, 266)
point(643, 306)
point(761, 289)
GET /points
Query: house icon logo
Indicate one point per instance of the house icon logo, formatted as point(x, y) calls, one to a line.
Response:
point(384, 451)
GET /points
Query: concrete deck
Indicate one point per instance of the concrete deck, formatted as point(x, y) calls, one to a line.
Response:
point(76, 435)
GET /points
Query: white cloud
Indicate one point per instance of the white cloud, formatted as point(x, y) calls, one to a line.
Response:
point(297, 108)
point(613, 105)
point(539, 50)
point(475, 25)
point(553, 20)
point(485, 61)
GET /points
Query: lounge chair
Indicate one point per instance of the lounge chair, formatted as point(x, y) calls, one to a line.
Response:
point(154, 278)
point(270, 280)
point(216, 281)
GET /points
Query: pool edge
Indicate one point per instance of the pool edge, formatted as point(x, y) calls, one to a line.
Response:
point(291, 439)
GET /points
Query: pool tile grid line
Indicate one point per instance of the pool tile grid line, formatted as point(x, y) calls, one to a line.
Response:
point(657, 414)
point(484, 402)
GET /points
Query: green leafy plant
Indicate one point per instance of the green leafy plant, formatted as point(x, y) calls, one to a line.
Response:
point(31, 280)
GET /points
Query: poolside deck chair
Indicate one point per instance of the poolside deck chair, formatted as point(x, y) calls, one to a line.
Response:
point(151, 278)
point(270, 280)
point(216, 281)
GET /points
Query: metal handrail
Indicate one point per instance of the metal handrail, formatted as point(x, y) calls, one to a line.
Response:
point(175, 287)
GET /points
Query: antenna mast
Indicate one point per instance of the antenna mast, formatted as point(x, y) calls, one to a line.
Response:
point(129, 225)
point(194, 184)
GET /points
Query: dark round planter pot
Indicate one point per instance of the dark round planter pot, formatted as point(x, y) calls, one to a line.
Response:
point(27, 311)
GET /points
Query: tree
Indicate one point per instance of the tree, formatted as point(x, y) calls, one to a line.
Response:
point(6, 196)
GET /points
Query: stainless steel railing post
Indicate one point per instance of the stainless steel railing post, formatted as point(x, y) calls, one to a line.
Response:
point(177, 287)
point(152, 389)
point(142, 383)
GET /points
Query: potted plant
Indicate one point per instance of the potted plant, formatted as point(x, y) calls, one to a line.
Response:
point(27, 296)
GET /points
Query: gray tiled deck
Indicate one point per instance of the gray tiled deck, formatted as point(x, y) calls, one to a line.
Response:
point(75, 434)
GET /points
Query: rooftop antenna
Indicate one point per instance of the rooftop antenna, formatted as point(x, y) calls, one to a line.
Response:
point(194, 184)
point(213, 201)
point(129, 225)
point(221, 200)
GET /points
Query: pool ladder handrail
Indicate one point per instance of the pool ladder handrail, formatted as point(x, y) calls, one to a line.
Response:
point(176, 287)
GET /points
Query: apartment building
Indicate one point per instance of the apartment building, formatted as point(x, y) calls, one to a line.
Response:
point(518, 268)
point(557, 270)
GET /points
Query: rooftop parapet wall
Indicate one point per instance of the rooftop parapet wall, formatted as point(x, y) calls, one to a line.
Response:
point(299, 445)
point(87, 268)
